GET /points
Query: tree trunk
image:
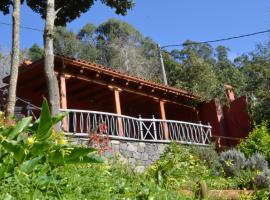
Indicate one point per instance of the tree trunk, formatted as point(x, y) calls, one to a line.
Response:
point(51, 79)
point(11, 100)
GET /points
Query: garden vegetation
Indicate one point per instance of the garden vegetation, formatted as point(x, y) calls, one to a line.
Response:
point(38, 163)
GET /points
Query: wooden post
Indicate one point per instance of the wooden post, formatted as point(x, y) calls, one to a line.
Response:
point(118, 110)
point(163, 117)
point(203, 190)
point(63, 99)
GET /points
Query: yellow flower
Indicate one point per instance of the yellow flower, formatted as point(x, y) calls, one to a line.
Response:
point(62, 141)
point(30, 141)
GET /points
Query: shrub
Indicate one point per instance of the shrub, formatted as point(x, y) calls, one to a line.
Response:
point(256, 162)
point(262, 180)
point(207, 155)
point(256, 174)
point(258, 141)
point(30, 153)
point(231, 162)
point(178, 167)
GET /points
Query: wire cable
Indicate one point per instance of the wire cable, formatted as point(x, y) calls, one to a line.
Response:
point(217, 40)
point(172, 45)
point(23, 27)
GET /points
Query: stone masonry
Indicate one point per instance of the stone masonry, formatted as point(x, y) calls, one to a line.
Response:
point(137, 153)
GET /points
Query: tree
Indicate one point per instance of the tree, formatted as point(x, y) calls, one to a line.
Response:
point(5, 64)
point(60, 12)
point(87, 37)
point(124, 48)
point(195, 70)
point(35, 52)
point(66, 42)
point(11, 100)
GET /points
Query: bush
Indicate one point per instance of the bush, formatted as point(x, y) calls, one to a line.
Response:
point(256, 173)
point(207, 155)
point(178, 167)
point(262, 180)
point(30, 154)
point(256, 162)
point(258, 141)
point(231, 162)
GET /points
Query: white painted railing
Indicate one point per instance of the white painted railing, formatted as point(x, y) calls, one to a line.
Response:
point(82, 123)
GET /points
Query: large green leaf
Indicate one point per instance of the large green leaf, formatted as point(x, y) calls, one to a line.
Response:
point(76, 155)
point(39, 148)
point(29, 165)
point(56, 157)
point(34, 127)
point(89, 158)
point(57, 118)
point(20, 126)
point(79, 152)
point(45, 125)
point(15, 148)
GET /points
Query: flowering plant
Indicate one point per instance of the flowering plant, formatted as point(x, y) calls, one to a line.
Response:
point(99, 139)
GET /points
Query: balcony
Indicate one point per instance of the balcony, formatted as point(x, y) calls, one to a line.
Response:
point(81, 123)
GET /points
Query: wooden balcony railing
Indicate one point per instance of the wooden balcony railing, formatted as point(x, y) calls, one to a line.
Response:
point(82, 123)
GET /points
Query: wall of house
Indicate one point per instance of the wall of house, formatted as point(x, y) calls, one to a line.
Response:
point(237, 122)
point(229, 124)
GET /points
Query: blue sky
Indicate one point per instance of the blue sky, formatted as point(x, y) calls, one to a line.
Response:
point(169, 22)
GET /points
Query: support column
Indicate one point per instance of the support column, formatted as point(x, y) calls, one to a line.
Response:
point(63, 99)
point(118, 110)
point(163, 117)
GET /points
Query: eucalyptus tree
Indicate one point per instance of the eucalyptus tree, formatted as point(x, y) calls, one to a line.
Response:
point(87, 37)
point(60, 12)
point(35, 52)
point(124, 48)
point(15, 56)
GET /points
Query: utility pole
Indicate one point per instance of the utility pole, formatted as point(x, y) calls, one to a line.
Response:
point(162, 66)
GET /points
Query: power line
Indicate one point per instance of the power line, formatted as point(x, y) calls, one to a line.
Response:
point(217, 40)
point(23, 27)
point(171, 45)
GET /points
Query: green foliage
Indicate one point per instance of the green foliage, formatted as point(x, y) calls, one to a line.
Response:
point(256, 162)
point(113, 43)
point(262, 180)
point(232, 162)
point(5, 6)
point(72, 10)
point(258, 141)
point(35, 52)
point(208, 155)
point(178, 167)
point(25, 146)
point(66, 42)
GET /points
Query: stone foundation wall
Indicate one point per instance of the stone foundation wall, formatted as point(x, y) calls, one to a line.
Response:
point(137, 153)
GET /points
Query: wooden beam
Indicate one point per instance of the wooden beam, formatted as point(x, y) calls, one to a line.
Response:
point(118, 111)
point(163, 117)
point(63, 92)
point(90, 93)
point(77, 88)
point(124, 88)
point(63, 99)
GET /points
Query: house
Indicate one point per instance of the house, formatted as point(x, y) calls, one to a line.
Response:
point(128, 106)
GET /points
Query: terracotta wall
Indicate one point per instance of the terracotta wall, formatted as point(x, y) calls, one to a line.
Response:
point(228, 124)
point(236, 119)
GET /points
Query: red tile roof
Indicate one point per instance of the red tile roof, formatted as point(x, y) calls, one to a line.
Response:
point(127, 77)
